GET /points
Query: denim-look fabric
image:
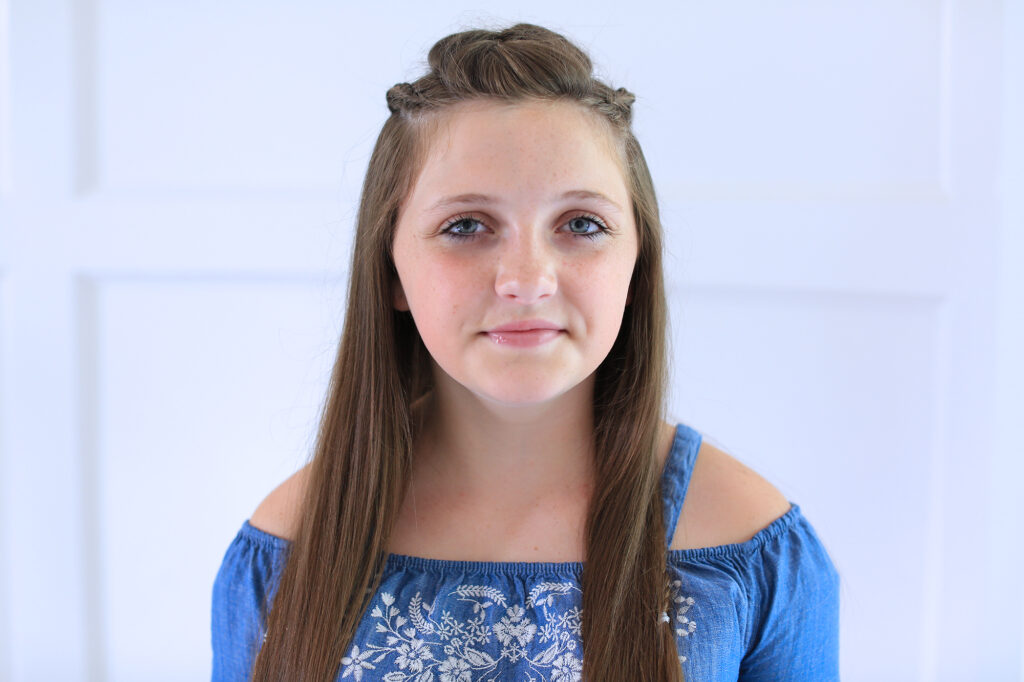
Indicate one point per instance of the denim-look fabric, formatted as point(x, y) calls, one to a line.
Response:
point(765, 609)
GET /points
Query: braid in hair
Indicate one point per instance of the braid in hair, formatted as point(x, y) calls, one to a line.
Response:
point(497, 65)
point(617, 104)
point(404, 97)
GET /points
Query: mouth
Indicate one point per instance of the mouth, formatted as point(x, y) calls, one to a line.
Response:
point(526, 326)
point(524, 338)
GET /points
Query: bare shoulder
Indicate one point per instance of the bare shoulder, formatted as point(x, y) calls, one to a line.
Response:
point(726, 502)
point(278, 513)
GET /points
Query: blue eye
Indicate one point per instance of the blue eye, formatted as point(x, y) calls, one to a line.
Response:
point(449, 229)
point(454, 223)
point(601, 228)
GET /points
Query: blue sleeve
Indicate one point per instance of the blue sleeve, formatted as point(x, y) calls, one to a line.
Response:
point(238, 619)
point(794, 594)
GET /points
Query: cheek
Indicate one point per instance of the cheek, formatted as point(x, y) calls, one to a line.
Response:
point(606, 276)
point(443, 287)
point(610, 291)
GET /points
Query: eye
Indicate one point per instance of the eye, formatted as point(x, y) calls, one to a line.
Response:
point(582, 220)
point(455, 223)
point(579, 221)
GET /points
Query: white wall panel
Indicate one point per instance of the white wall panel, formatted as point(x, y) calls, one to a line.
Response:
point(1005, 640)
point(6, 509)
point(205, 396)
point(43, 479)
point(759, 370)
point(791, 98)
point(5, 100)
point(6, 545)
point(239, 98)
point(178, 185)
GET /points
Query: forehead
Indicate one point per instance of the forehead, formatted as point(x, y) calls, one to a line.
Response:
point(522, 147)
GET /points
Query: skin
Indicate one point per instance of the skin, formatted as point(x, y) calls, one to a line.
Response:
point(503, 471)
point(507, 428)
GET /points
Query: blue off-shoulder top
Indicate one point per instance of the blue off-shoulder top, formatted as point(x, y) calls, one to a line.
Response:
point(765, 609)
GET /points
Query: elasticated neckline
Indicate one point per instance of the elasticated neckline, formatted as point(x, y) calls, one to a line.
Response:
point(674, 482)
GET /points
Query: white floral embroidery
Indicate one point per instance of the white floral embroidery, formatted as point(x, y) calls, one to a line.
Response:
point(356, 663)
point(681, 605)
point(446, 649)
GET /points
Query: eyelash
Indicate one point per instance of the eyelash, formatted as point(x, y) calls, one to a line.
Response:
point(446, 229)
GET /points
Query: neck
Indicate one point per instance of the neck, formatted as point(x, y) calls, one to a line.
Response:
point(506, 456)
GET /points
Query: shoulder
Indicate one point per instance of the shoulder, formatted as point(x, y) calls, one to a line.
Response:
point(726, 502)
point(278, 513)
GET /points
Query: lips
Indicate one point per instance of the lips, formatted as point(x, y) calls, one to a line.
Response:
point(524, 339)
point(525, 326)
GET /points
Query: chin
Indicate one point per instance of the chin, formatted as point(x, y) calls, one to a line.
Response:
point(524, 396)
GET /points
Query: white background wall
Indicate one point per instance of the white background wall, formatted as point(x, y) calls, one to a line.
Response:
point(841, 187)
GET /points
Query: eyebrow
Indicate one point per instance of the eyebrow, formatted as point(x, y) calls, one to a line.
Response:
point(460, 199)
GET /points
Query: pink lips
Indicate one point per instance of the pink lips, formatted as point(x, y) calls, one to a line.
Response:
point(526, 325)
point(525, 333)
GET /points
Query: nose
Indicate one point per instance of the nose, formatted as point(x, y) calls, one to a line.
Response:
point(526, 268)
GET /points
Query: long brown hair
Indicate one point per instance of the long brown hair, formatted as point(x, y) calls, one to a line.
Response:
point(360, 467)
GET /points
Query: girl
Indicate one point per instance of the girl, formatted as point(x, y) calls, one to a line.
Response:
point(494, 493)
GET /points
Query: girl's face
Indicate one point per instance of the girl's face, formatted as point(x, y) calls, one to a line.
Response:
point(521, 212)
